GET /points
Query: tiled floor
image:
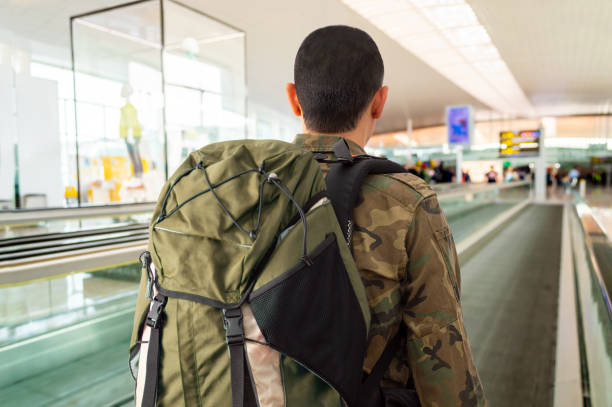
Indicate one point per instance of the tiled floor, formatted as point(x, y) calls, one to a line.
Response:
point(599, 197)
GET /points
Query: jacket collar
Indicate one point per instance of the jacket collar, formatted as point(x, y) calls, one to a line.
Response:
point(324, 143)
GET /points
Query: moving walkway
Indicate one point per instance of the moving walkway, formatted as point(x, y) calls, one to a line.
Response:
point(68, 286)
point(65, 336)
point(46, 243)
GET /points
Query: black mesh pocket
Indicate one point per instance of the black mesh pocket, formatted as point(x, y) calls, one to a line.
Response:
point(311, 314)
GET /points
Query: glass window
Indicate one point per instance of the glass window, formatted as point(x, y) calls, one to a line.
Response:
point(126, 131)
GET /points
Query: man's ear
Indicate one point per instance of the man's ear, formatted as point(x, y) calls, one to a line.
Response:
point(293, 100)
point(378, 103)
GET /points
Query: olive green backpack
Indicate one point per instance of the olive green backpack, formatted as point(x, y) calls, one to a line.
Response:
point(249, 295)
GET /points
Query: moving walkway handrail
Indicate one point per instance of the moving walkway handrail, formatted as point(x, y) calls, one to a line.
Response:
point(591, 226)
point(48, 237)
point(593, 305)
point(22, 271)
point(479, 188)
point(36, 250)
point(22, 216)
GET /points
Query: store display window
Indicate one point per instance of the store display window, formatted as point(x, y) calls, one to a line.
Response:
point(153, 81)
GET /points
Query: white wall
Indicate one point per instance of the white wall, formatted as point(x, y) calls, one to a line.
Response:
point(39, 148)
point(7, 133)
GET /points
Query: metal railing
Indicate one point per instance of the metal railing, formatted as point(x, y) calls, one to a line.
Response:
point(594, 306)
point(25, 216)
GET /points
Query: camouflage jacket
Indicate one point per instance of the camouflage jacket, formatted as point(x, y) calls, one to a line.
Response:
point(406, 256)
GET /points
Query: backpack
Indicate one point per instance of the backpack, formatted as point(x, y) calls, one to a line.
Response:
point(250, 295)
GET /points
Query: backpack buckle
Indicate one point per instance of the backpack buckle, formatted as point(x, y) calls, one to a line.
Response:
point(155, 312)
point(232, 322)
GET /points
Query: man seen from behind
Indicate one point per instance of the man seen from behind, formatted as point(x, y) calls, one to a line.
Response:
point(401, 242)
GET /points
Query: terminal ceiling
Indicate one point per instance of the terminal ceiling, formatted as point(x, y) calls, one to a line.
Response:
point(558, 51)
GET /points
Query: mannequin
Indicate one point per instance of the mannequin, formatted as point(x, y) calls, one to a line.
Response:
point(129, 125)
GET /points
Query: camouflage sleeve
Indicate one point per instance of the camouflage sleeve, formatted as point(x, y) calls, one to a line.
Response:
point(437, 347)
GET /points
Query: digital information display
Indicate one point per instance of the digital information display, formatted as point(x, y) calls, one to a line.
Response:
point(460, 124)
point(524, 143)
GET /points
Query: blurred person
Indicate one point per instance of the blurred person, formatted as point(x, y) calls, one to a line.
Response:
point(429, 173)
point(570, 180)
point(466, 177)
point(412, 170)
point(565, 182)
point(597, 178)
point(413, 284)
point(549, 177)
point(442, 174)
point(573, 174)
point(491, 176)
point(438, 175)
point(447, 173)
point(510, 175)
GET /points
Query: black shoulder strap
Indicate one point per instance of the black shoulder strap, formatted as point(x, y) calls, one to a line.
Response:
point(370, 388)
point(345, 178)
point(243, 394)
point(154, 320)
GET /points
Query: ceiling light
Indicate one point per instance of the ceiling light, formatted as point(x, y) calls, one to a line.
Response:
point(466, 36)
point(401, 24)
point(371, 9)
point(495, 66)
point(443, 58)
point(451, 16)
point(479, 52)
point(447, 36)
point(426, 42)
point(432, 3)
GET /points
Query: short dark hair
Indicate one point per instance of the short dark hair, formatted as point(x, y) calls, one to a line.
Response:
point(337, 71)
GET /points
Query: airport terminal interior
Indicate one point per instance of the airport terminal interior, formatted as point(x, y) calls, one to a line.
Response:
point(503, 107)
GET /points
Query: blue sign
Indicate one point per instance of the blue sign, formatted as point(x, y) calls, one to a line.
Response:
point(460, 124)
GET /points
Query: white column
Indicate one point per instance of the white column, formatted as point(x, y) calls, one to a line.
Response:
point(38, 139)
point(548, 130)
point(409, 144)
point(540, 177)
point(458, 171)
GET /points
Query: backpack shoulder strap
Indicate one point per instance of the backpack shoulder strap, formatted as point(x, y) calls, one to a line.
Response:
point(370, 391)
point(345, 178)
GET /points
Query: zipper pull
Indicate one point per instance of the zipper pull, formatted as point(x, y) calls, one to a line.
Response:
point(349, 232)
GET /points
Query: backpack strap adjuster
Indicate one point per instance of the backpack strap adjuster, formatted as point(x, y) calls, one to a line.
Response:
point(232, 322)
point(154, 316)
point(342, 152)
